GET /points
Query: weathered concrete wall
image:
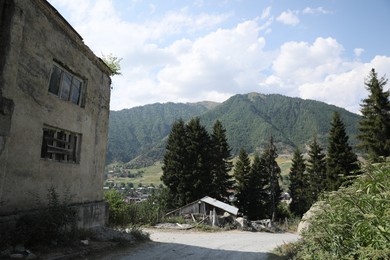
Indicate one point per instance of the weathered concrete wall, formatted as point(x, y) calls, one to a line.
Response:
point(36, 38)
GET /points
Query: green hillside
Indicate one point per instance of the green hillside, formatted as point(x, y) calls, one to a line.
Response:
point(138, 135)
point(140, 130)
point(251, 119)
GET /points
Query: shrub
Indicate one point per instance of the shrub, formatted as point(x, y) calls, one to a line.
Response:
point(118, 209)
point(148, 212)
point(355, 221)
point(58, 222)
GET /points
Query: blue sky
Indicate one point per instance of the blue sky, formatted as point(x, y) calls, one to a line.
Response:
point(189, 51)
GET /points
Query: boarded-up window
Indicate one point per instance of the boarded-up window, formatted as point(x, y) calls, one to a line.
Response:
point(65, 85)
point(60, 145)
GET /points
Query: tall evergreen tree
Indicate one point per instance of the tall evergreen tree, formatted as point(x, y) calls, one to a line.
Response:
point(242, 176)
point(258, 190)
point(341, 161)
point(374, 126)
point(187, 163)
point(272, 169)
point(221, 163)
point(175, 161)
point(198, 177)
point(299, 185)
point(316, 169)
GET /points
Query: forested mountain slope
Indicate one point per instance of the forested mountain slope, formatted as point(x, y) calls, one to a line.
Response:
point(250, 120)
point(139, 133)
point(138, 130)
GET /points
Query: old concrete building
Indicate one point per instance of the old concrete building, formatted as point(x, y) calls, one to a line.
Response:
point(54, 108)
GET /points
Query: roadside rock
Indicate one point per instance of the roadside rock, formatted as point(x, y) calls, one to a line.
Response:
point(109, 234)
point(242, 222)
point(305, 222)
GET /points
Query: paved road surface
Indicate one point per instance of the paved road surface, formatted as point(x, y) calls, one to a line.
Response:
point(172, 244)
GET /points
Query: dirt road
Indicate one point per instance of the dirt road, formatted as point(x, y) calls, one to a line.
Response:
point(169, 244)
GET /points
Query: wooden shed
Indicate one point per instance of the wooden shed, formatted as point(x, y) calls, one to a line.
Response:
point(203, 207)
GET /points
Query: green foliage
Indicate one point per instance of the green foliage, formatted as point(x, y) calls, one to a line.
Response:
point(257, 186)
point(221, 163)
point(354, 222)
point(139, 134)
point(272, 170)
point(196, 164)
point(341, 161)
point(57, 222)
point(299, 185)
point(118, 209)
point(198, 174)
point(374, 126)
point(148, 212)
point(258, 183)
point(316, 169)
point(241, 174)
point(113, 63)
point(251, 118)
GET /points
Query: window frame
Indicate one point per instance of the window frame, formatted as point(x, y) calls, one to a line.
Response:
point(57, 85)
point(60, 145)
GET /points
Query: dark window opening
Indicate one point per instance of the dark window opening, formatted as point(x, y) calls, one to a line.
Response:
point(60, 145)
point(65, 85)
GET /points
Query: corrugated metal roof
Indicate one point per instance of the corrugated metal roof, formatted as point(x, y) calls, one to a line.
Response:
point(220, 204)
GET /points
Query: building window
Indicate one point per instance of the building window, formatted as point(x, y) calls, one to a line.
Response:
point(60, 145)
point(65, 85)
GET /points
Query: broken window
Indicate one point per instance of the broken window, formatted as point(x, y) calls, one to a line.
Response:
point(65, 85)
point(60, 145)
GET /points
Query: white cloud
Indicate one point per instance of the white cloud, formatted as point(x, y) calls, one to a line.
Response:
point(358, 52)
point(288, 17)
point(159, 67)
point(266, 13)
point(301, 62)
point(227, 61)
point(152, 8)
point(318, 10)
point(345, 89)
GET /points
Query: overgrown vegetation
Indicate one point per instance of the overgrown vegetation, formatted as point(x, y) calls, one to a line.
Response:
point(55, 224)
point(148, 212)
point(354, 222)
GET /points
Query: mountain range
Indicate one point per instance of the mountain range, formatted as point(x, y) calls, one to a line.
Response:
point(137, 136)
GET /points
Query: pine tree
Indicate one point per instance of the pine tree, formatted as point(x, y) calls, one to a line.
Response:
point(187, 163)
point(299, 185)
point(272, 170)
point(221, 164)
point(175, 161)
point(258, 190)
point(374, 126)
point(198, 177)
point(242, 177)
point(316, 169)
point(341, 161)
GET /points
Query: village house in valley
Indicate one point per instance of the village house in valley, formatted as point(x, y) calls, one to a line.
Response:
point(54, 108)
